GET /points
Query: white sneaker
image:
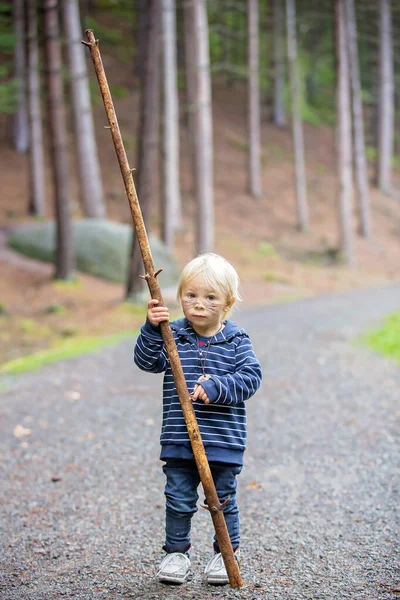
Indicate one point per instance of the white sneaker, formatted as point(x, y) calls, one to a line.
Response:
point(215, 571)
point(174, 568)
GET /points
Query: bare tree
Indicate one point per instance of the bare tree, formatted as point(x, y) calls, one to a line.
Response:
point(386, 99)
point(358, 123)
point(297, 126)
point(171, 188)
point(200, 118)
point(148, 136)
point(279, 116)
point(64, 259)
point(344, 152)
point(37, 198)
point(141, 37)
point(254, 120)
point(19, 126)
point(91, 188)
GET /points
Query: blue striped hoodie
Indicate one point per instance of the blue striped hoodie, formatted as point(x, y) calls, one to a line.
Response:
point(235, 376)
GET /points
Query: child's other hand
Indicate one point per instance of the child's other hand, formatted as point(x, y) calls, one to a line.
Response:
point(200, 394)
point(156, 314)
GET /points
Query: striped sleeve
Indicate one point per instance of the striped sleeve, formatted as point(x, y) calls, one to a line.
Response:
point(234, 388)
point(149, 353)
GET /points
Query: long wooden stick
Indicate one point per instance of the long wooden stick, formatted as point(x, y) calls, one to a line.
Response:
point(213, 503)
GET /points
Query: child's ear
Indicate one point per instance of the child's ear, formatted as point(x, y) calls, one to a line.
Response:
point(229, 305)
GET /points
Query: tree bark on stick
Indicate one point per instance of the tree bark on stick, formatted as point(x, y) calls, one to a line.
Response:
point(213, 503)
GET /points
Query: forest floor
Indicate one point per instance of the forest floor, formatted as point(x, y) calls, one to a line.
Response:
point(275, 261)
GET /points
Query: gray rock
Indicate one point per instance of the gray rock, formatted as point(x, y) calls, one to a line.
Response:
point(101, 247)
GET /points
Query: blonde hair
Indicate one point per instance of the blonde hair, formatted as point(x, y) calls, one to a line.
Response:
point(216, 272)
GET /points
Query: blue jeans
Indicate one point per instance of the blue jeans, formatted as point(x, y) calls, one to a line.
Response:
point(181, 499)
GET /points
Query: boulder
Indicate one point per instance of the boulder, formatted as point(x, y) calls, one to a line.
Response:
point(101, 248)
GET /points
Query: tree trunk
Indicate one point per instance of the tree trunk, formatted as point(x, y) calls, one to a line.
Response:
point(344, 153)
point(19, 126)
point(359, 143)
point(297, 126)
point(386, 100)
point(171, 188)
point(190, 83)
point(142, 12)
point(37, 194)
point(200, 117)
point(279, 116)
point(254, 155)
point(64, 259)
point(148, 137)
point(91, 189)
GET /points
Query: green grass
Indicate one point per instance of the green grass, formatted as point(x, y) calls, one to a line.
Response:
point(276, 277)
point(67, 284)
point(63, 349)
point(386, 339)
point(266, 249)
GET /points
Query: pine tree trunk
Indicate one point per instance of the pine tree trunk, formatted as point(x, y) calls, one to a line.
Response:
point(148, 137)
point(344, 152)
point(64, 259)
point(19, 126)
point(279, 117)
point(37, 194)
point(200, 112)
point(141, 37)
point(91, 188)
point(171, 187)
point(254, 119)
point(190, 82)
point(386, 100)
point(297, 125)
point(359, 143)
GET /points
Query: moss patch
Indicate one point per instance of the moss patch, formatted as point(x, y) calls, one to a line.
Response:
point(386, 339)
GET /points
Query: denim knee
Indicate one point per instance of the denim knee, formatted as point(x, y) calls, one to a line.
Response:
point(181, 506)
point(181, 487)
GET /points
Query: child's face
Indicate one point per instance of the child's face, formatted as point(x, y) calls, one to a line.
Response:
point(204, 306)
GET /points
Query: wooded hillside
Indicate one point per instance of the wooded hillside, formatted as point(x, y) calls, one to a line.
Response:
point(267, 131)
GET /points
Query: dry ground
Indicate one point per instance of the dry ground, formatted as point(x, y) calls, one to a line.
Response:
point(35, 311)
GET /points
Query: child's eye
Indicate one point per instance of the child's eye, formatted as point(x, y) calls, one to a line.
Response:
point(190, 295)
point(211, 297)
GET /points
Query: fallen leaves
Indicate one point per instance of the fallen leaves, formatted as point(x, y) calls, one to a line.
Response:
point(254, 485)
point(20, 431)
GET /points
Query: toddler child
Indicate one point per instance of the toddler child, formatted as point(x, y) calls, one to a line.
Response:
point(221, 372)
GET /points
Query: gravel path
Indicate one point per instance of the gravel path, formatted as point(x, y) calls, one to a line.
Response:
point(82, 487)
